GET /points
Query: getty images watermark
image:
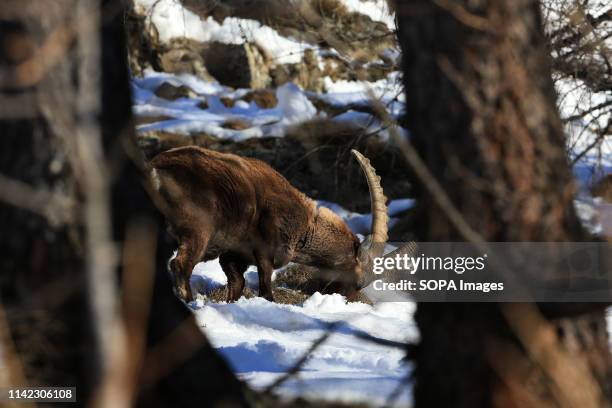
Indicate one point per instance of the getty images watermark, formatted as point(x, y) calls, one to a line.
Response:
point(412, 264)
point(496, 271)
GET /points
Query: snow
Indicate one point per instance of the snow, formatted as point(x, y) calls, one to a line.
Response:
point(294, 106)
point(343, 92)
point(580, 135)
point(595, 215)
point(262, 340)
point(377, 10)
point(360, 223)
point(188, 118)
point(172, 21)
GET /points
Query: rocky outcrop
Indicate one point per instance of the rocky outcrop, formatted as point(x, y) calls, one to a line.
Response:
point(327, 23)
point(263, 98)
point(172, 92)
point(141, 42)
point(346, 45)
point(236, 65)
point(603, 189)
point(183, 56)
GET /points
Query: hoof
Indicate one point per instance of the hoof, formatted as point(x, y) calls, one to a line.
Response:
point(268, 296)
point(184, 293)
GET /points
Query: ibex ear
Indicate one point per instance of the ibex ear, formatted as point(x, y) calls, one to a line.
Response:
point(363, 254)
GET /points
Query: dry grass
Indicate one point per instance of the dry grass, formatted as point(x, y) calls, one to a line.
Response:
point(227, 102)
point(281, 295)
point(292, 287)
point(170, 92)
point(299, 278)
point(144, 120)
point(235, 124)
point(330, 8)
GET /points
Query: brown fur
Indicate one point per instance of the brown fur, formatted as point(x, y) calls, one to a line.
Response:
point(242, 210)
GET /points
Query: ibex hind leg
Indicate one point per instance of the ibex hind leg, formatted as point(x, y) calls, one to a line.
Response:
point(234, 267)
point(264, 270)
point(191, 249)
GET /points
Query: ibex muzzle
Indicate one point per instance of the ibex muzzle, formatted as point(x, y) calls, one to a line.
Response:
point(244, 212)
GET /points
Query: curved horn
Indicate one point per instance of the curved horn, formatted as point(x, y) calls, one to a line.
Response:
point(380, 219)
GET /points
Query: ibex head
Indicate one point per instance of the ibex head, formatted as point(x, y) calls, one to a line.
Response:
point(334, 248)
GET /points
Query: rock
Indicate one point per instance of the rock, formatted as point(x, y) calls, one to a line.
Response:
point(332, 110)
point(183, 56)
point(306, 74)
point(145, 120)
point(264, 98)
point(236, 65)
point(172, 92)
point(235, 124)
point(154, 142)
point(141, 42)
point(227, 102)
point(203, 104)
point(603, 188)
point(258, 67)
point(359, 47)
point(295, 105)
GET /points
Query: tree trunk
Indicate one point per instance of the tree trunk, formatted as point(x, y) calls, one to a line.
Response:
point(63, 91)
point(480, 108)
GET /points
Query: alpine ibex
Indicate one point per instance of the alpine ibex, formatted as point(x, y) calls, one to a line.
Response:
point(243, 211)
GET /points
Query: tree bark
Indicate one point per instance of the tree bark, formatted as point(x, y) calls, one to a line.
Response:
point(45, 245)
point(480, 108)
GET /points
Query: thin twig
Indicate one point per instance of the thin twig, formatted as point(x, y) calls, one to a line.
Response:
point(331, 329)
point(600, 137)
point(55, 207)
point(302, 360)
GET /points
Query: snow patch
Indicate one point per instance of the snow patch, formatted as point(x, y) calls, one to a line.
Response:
point(172, 20)
point(377, 10)
point(261, 340)
point(294, 105)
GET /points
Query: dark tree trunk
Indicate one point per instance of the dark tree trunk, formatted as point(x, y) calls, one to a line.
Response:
point(44, 255)
point(480, 107)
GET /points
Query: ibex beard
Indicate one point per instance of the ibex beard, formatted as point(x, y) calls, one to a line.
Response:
point(244, 212)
